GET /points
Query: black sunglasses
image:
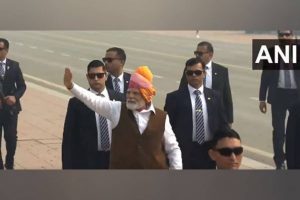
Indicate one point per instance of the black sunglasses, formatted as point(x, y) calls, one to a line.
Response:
point(228, 151)
point(93, 75)
point(199, 53)
point(109, 59)
point(193, 73)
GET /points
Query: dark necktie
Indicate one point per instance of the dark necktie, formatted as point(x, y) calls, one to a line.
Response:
point(117, 86)
point(287, 75)
point(104, 137)
point(287, 79)
point(2, 72)
point(199, 118)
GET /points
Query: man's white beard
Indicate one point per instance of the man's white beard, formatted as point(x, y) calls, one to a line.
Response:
point(132, 106)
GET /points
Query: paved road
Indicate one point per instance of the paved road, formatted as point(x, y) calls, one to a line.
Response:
point(45, 54)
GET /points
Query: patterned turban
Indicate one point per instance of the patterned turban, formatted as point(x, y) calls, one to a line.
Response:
point(142, 80)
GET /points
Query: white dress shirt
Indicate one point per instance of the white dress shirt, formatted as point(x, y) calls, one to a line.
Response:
point(121, 82)
point(208, 77)
point(281, 80)
point(208, 135)
point(106, 96)
point(112, 111)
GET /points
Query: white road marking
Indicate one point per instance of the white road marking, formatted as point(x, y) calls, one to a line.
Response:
point(19, 44)
point(157, 76)
point(258, 151)
point(49, 50)
point(92, 42)
point(65, 54)
point(33, 47)
point(249, 163)
point(254, 98)
point(84, 59)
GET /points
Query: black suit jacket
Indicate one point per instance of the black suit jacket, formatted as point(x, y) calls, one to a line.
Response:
point(13, 83)
point(269, 80)
point(179, 108)
point(269, 85)
point(220, 83)
point(293, 138)
point(79, 145)
point(126, 78)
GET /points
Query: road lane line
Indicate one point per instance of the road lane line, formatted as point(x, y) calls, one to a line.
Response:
point(95, 43)
point(33, 47)
point(254, 98)
point(65, 54)
point(49, 50)
point(258, 151)
point(19, 44)
point(84, 59)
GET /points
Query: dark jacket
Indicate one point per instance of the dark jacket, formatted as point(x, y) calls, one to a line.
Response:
point(79, 145)
point(13, 84)
point(179, 108)
point(220, 83)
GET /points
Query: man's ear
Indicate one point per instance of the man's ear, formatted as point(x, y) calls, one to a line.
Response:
point(211, 154)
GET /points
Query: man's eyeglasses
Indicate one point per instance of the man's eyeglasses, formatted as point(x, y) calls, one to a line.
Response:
point(93, 75)
point(109, 60)
point(228, 151)
point(199, 53)
point(193, 73)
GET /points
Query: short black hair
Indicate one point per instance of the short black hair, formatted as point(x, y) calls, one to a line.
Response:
point(5, 42)
point(193, 61)
point(120, 52)
point(96, 63)
point(220, 134)
point(208, 45)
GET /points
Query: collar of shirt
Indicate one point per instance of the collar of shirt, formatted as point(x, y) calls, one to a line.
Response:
point(150, 109)
point(208, 65)
point(4, 61)
point(104, 92)
point(120, 77)
point(192, 89)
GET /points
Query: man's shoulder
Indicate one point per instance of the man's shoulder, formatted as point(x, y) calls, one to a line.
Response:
point(126, 75)
point(219, 67)
point(11, 62)
point(76, 102)
point(176, 93)
point(211, 92)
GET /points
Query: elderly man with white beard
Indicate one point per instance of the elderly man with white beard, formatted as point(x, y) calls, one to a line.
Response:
point(142, 137)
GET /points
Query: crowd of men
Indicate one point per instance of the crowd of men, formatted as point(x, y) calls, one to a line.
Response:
point(114, 124)
point(194, 121)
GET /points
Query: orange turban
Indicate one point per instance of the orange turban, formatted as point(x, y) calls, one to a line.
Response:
point(142, 80)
